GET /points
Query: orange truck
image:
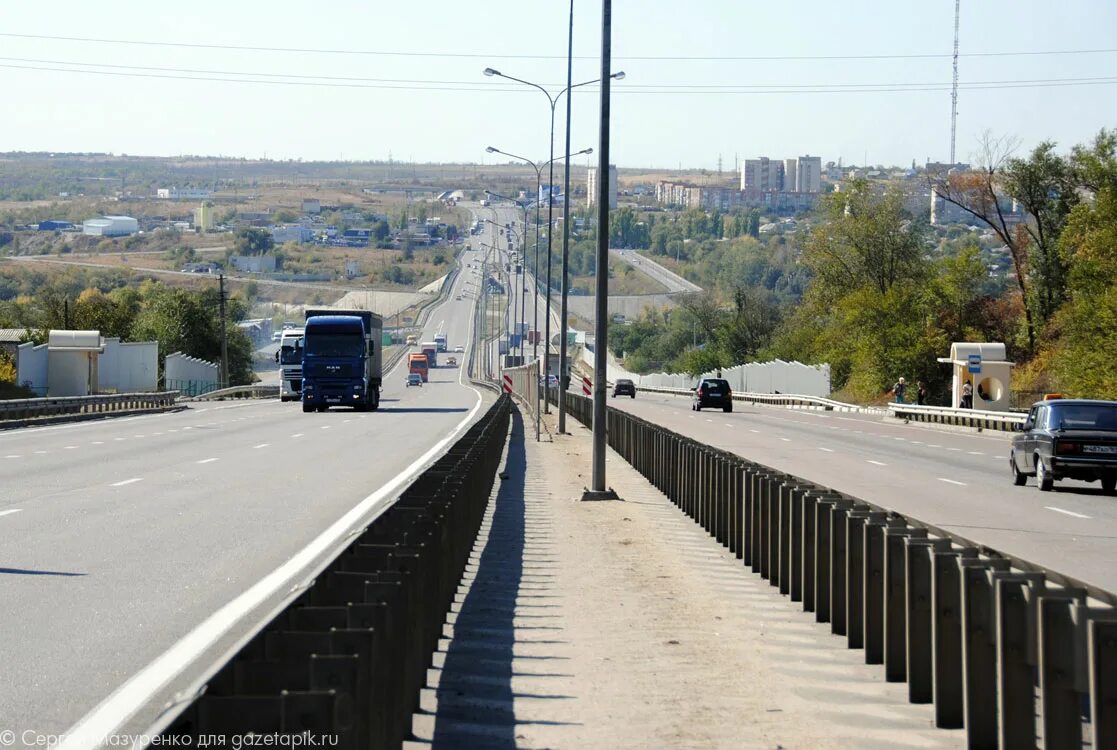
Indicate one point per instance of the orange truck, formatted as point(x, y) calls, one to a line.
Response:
point(418, 363)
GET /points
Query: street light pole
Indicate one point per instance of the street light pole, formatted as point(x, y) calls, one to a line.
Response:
point(598, 489)
point(564, 325)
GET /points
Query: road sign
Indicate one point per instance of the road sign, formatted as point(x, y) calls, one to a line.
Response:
point(587, 386)
point(507, 383)
point(975, 363)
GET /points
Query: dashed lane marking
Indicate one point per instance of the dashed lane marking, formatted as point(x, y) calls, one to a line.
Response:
point(207, 460)
point(297, 434)
point(976, 453)
point(10, 511)
point(828, 450)
point(875, 463)
point(951, 481)
point(13, 455)
point(133, 480)
point(261, 445)
point(1066, 512)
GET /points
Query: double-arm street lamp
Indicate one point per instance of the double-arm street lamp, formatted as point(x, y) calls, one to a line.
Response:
point(512, 275)
point(553, 101)
point(522, 319)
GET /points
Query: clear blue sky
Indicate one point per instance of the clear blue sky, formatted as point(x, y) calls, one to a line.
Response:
point(453, 111)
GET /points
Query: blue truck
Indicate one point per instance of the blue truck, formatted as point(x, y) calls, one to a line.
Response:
point(343, 355)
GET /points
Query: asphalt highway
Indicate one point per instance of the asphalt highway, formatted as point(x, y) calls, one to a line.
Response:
point(956, 480)
point(120, 537)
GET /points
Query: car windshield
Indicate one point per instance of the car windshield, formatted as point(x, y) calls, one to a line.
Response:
point(1084, 417)
point(334, 345)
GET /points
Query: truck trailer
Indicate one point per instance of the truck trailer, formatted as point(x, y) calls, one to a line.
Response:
point(343, 357)
point(430, 349)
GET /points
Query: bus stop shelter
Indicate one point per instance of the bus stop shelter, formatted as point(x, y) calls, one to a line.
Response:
point(984, 367)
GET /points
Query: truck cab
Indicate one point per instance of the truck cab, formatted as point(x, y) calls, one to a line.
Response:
point(290, 360)
point(440, 342)
point(342, 359)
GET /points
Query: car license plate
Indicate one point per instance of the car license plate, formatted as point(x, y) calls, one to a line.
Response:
point(1099, 449)
point(333, 400)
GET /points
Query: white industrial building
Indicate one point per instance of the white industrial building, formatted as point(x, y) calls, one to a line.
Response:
point(254, 263)
point(110, 226)
point(591, 186)
point(178, 194)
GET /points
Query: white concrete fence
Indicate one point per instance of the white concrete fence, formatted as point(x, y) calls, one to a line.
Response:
point(189, 375)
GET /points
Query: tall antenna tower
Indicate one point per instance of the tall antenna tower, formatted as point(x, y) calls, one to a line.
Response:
point(954, 88)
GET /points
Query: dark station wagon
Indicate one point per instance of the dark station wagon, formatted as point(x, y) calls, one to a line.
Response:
point(712, 392)
point(1067, 439)
point(624, 387)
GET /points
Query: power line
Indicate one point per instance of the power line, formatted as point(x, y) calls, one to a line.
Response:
point(204, 75)
point(660, 89)
point(489, 55)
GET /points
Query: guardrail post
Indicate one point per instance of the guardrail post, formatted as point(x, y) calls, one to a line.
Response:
point(823, 512)
point(895, 601)
point(919, 615)
point(1058, 679)
point(765, 522)
point(1016, 674)
point(979, 653)
point(795, 582)
point(784, 532)
point(855, 575)
point(839, 534)
point(946, 634)
point(872, 586)
point(1102, 660)
point(736, 512)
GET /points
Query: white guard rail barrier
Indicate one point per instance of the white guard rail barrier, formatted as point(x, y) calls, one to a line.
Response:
point(240, 391)
point(31, 408)
point(982, 420)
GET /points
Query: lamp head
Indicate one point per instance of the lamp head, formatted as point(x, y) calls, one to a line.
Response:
point(491, 150)
point(491, 72)
point(619, 75)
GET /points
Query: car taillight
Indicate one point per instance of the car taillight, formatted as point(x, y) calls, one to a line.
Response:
point(701, 390)
point(1064, 446)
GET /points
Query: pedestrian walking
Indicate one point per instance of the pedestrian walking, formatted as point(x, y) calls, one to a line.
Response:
point(920, 392)
point(899, 389)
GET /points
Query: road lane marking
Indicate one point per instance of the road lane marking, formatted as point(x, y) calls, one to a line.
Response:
point(786, 440)
point(951, 481)
point(899, 438)
point(1067, 512)
point(69, 447)
point(929, 445)
point(976, 453)
point(119, 439)
point(133, 480)
point(828, 450)
point(13, 455)
point(41, 453)
point(297, 434)
point(876, 463)
point(207, 460)
point(756, 431)
point(957, 450)
point(98, 442)
point(728, 425)
point(139, 436)
point(324, 427)
point(262, 445)
point(9, 512)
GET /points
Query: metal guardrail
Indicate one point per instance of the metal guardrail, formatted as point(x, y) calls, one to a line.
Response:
point(980, 419)
point(992, 640)
point(788, 400)
point(343, 665)
point(256, 390)
point(31, 408)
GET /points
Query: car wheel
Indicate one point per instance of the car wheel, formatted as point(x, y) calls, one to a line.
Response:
point(698, 407)
point(307, 408)
point(1018, 478)
point(633, 395)
point(1044, 480)
point(1109, 484)
point(728, 408)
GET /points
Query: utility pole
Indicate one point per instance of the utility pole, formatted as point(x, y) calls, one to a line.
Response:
point(224, 338)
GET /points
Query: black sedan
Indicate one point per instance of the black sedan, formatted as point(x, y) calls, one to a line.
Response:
point(1067, 439)
point(624, 387)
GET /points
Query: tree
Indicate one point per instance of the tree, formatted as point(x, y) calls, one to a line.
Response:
point(866, 240)
point(252, 241)
point(381, 231)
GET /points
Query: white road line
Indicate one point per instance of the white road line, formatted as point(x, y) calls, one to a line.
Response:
point(326, 426)
point(69, 447)
point(929, 445)
point(786, 440)
point(828, 450)
point(262, 445)
point(13, 455)
point(156, 433)
point(9, 512)
point(119, 439)
point(297, 434)
point(207, 460)
point(956, 450)
point(139, 436)
point(98, 442)
point(174, 430)
point(41, 453)
point(728, 425)
point(133, 480)
point(899, 438)
point(917, 442)
point(951, 481)
point(876, 463)
point(756, 431)
point(976, 453)
point(1067, 512)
